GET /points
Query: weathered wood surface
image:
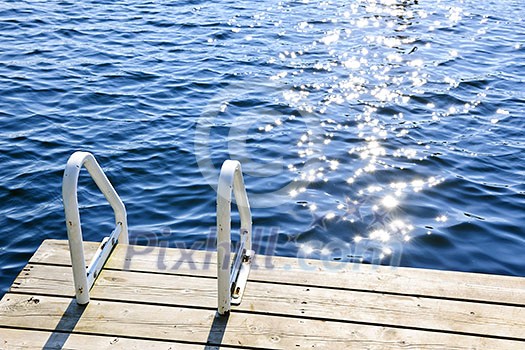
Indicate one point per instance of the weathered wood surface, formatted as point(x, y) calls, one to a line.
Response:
point(360, 277)
point(300, 301)
point(202, 325)
point(151, 297)
point(11, 339)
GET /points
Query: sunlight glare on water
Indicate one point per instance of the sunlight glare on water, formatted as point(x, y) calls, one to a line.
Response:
point(370, 60)
point(373, 131)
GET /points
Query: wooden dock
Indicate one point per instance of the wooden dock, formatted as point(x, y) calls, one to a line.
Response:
point(163, 298)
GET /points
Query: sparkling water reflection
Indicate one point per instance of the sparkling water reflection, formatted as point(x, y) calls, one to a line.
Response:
point(375, 131)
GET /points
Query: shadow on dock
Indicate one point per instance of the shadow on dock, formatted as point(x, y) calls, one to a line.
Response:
point(65, 326)
point(217, 330)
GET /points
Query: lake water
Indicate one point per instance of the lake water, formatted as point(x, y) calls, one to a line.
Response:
point(384, 132)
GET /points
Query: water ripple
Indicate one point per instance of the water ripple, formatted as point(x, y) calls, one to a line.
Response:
point(368, 131)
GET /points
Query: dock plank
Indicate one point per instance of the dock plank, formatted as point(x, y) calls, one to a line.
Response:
point(168, 297)
point(11, 339)
point(203, 326)
point(267, 298)
point(382, 279)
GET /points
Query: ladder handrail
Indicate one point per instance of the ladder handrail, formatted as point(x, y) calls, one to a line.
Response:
point(84, 278)
point(231, 279)
point(231, 179)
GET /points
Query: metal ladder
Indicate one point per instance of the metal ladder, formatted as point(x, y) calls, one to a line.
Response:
point(231, 279)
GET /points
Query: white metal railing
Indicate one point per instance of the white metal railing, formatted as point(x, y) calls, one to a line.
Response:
point(85, 277)
point(231, 280)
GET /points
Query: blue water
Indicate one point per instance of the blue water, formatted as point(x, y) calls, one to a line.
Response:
point(386, 132)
